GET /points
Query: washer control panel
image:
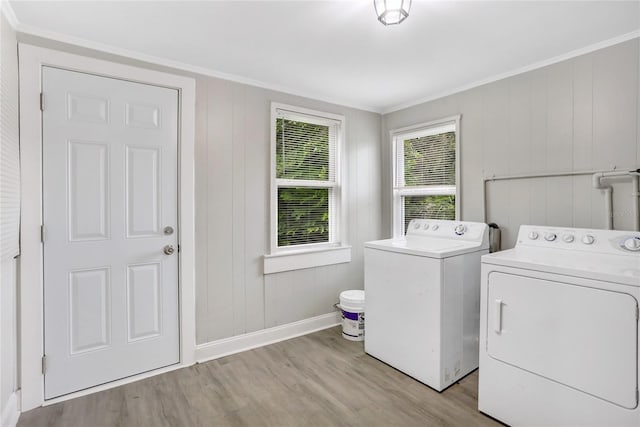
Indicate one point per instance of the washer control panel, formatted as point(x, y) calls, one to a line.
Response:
point(590, 240)
point(459, 230)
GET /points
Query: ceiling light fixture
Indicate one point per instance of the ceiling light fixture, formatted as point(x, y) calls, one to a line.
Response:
point(391, 12)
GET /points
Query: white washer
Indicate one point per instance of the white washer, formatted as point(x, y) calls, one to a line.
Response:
point(559, 329)
point(422, 300)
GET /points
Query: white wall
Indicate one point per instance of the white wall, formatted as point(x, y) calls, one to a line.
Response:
point(580, 114)
point(8, 282)
point(233, 297)
point(575, 115)
point(232, 213)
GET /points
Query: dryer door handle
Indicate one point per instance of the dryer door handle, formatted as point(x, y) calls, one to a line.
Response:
point(497, 316)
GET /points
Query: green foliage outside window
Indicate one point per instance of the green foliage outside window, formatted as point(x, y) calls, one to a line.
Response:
point(429, 207)
point(302, 152)
point(303, 216)
point(430, 160)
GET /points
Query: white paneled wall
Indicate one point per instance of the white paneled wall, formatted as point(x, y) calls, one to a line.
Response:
point(232, 213)
point(576, 115)
point(233, 297)
point(8, 281)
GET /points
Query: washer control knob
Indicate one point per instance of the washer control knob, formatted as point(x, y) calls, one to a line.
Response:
point(550, 237)
point(588, 239)
point(460, 229)
point(426, 226)
point(568, 238)
point(533, 235)
point(632, 243)
point(416, 225)
point(434, 227)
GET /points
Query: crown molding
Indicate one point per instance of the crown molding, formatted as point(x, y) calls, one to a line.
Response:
point(178, 65)
point(536, 65)
point(7, 10)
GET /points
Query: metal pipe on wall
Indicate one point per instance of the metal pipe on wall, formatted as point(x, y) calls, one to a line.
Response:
point(525, 176)
point(597, 177)
point(635, 210)
point(635, 193)
point(608, 198)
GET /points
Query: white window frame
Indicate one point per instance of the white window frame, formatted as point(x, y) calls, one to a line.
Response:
point(316, 254)
point(398, 136)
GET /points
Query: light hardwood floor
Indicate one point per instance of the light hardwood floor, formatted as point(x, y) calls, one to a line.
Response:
point(319, 379)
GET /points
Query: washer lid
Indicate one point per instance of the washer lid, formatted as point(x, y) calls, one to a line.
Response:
point(623, 269)
point(426, 247)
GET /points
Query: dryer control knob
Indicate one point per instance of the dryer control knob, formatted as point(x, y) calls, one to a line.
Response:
point(533, 235)
point(568, 238)
point(460, 229)
point(588, 239)
point(426, 226)
point(550, 237)
point(632, 243)
point(416, 225)
point(434, 227)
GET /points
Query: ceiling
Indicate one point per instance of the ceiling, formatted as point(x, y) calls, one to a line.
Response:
point(336, 50)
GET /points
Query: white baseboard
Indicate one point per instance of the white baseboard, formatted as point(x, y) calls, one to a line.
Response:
point(11, 412)
point(225, 347)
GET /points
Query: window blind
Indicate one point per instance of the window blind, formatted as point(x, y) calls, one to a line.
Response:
point(430, 160)
point(425, 175)
point(304, 150)
point(9, 155)
point(306, 178)
point(428, 207)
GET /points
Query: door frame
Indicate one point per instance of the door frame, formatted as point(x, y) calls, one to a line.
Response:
point(31, 305)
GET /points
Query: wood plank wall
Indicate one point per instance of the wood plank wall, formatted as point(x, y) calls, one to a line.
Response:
point(8, 277)
point(575, 115)
point(579, 114)
point(232, 213)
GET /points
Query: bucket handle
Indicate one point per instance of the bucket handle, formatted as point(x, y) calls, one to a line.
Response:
point(337, 306)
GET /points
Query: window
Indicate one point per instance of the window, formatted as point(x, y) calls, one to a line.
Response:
point(426, 173)
point(306, 192)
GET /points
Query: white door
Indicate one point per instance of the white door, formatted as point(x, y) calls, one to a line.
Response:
point(582, 337)
point(110, 210)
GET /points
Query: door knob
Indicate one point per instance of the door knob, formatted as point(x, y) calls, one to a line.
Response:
point(169, 250)
point(168, 230)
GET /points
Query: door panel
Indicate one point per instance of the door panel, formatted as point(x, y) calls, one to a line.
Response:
point(89, 309)
point(585, 338)
point(87, 108)
point(144, 191)
point(88, 192)
point(143, 300)
point(109, 191)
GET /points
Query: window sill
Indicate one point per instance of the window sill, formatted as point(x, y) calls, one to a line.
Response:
point(297, 260)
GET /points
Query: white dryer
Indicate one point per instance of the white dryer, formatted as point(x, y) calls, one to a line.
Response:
point(559, 329)
point(423, 300)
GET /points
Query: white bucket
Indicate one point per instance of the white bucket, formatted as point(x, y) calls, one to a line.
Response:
point(352, 309)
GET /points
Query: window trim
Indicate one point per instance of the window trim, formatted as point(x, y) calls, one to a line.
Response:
point(397, 220)
point(316, 254)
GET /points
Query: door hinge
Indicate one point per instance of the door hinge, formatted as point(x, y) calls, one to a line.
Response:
point(42, 234)
point(44, 364)
point(178, 248)
point(41, 101)
point(637, 313)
